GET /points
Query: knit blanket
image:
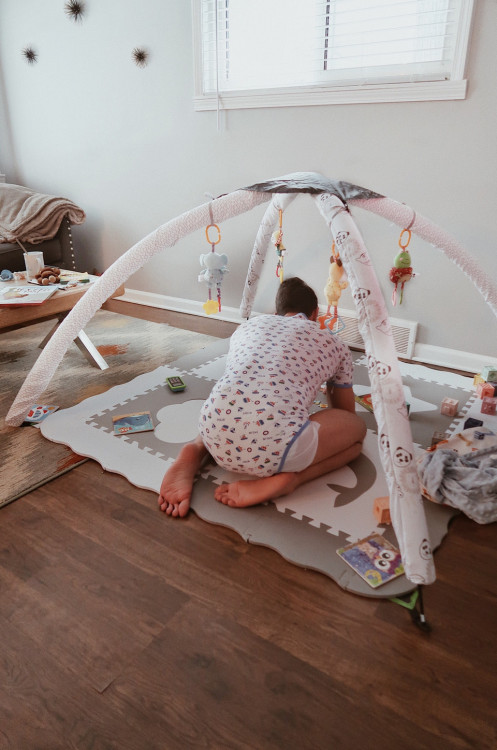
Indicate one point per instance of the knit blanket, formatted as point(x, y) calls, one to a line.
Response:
point(33, 217)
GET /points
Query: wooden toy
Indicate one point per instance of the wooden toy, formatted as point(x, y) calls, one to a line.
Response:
point(489, 405)
point(489, 372)
point(494, 386)
point(484, 389)
point(449, 407)
point(381, 509)
point(478, 379)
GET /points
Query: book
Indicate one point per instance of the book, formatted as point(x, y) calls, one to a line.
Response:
point(365, 400)
point(39, 412)
point(140, 421)
point(374, 558)
point(18, 296)
point(74, 278)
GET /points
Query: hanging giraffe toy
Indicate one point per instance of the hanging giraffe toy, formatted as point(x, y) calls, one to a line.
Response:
point(333, 291)
point(214, 267)
point(277, 240)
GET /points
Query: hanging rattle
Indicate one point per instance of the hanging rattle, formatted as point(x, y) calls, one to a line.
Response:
point(214, 267)
point(277, 240)
point(333, 291)
point(402, 271)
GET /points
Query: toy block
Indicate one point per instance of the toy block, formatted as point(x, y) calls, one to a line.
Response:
point(484, 389)
point(489, 372)
point(471, 422)
point(449, 407)
point(381, 509)
point(478, 379)
point(489, 405)
point(494, 386)
point(438, 437)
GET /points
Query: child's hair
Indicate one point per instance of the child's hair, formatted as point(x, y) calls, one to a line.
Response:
point(295, 296)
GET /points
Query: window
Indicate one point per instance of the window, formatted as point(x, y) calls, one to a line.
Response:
point(269, 53)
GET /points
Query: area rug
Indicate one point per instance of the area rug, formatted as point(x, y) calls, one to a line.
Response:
point(130, 347)
point(306, 527)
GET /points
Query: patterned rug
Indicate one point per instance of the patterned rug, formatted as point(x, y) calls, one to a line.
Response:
point(129, 345)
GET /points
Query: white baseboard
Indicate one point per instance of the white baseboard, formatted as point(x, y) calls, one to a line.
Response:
point(433, 355)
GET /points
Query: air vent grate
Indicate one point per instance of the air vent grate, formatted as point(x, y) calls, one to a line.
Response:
point(403, 332)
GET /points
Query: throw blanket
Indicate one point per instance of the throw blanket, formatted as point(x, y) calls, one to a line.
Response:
point(467, 482)
point(33, 217)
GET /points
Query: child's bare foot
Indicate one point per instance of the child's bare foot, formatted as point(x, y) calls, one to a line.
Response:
point(248, 492)
point(176, 487)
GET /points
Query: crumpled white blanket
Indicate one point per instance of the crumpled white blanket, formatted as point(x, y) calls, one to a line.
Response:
point(467, 482)
point(33, 217)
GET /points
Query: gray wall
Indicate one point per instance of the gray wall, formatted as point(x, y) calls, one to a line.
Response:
point(125, 144)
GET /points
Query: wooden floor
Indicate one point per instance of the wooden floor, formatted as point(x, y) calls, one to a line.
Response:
point(121, 628)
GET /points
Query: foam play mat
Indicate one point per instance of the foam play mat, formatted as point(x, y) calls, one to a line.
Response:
point(306, 527)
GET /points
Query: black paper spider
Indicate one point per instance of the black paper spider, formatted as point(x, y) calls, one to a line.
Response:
point(75, 9)
point(30, 55)
point(140, 56)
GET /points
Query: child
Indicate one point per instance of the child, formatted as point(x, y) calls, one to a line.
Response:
point(256, 420)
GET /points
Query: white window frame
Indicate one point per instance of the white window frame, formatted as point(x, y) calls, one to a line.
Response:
point(454, 87)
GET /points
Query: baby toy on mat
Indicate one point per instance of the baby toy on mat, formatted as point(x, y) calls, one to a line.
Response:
point(333, 291)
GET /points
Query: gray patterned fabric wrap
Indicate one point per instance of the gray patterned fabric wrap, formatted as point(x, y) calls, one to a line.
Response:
point(314, 183)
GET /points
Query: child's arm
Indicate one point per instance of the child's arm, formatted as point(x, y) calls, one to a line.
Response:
point(340, 398)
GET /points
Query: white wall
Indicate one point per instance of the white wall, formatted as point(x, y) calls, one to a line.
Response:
point(125, 144)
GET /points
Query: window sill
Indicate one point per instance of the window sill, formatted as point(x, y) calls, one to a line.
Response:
point(315, 96)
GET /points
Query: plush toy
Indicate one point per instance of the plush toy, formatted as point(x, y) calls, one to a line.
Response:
point(214, 267)
point(277, 240)
point(402, 271)
point(333, 291)
point(335, 285)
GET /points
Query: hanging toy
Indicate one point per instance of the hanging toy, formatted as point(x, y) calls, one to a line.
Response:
point(214, 267)
point(402, 271)
point(333, 291)
point(277, 240)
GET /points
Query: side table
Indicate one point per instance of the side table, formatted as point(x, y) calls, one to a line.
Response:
point(57, 306)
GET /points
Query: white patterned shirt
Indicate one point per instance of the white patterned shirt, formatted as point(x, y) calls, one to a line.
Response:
point(274, 368)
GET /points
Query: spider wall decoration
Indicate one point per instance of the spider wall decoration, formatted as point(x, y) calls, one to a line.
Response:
point(75, 9)
point(140, 56)
point(30, 55)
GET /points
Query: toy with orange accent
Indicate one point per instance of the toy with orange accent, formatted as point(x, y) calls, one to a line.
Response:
point(277, 240)
point(333, 291)
point(214, 267)
point(402, 271)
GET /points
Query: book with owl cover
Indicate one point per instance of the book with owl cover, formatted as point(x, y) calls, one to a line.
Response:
point(374, 558)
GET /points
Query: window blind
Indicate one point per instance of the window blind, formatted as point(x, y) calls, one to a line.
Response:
point(272, 44)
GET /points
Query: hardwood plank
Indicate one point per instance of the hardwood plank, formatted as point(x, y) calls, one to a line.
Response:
point(44, 707)
point(202, 640)
point(235, 690)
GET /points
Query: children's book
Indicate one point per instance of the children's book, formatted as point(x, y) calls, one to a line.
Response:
point(18, 296)
point(365, 400)
point(140, 421)
point(39, 412)
point(374, 558)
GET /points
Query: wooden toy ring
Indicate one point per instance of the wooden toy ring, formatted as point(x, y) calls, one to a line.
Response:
point(211, 242)
point(408, 238)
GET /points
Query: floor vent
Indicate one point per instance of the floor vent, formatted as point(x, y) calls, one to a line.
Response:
point(403, 331)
